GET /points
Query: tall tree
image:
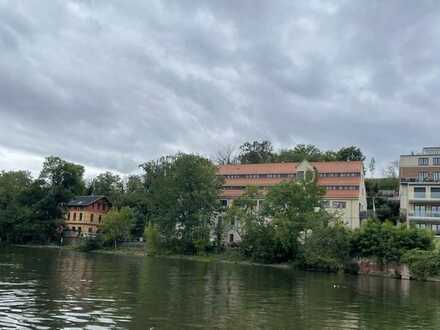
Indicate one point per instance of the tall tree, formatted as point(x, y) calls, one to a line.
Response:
point(110, 185)
point(117, 225)
point(183, 194)
point(392, 170)
point(299, 153)
point(256, 152)
point(295, 207)
point(350, 153)
point(226, 156)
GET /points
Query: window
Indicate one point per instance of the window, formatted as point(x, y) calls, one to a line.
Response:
point(423, 161)
point(224, 202)
point(103, 207)
point(436, 176)
point(422, 176)
point(74, 228)
point(435, 192)
point(231, 238)
point(68, 216)
point(91, 217)
point(79, 229)
point(90, 229)
point(233, 222)
point(80, 217)
point(419, 192)
point(339, 205)
point(436, 211)
point(419, 210)
point(436, 161)
point(99, 219)
point(74, 217)
point(300, 175)
point(325, 204)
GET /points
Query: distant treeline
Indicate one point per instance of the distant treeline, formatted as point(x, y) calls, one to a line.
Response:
point(263, 152)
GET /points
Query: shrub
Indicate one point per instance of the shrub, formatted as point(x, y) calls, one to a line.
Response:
point(422, 264)
point(260, 244)
point(387, 242)
point(91, 243)
point(152, 239)
point(327, 249)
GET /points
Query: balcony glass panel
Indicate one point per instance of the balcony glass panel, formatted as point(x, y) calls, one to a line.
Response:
point(435, 192)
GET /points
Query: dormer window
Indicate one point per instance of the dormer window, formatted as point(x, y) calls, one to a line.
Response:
point(300, 175)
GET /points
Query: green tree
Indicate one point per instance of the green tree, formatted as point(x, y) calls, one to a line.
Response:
point(136, 197)
point(152, 239)
point(13, 187)
point(109, 185)
point(183, 192)
point(387, 242)
point(294, 208)
point(256, 152)
point(327, 248)
point(117, 225)
point(301, 152)
point(350, 153)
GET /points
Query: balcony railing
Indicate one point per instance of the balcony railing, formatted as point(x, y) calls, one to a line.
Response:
point(419, 180)
point(424, 214)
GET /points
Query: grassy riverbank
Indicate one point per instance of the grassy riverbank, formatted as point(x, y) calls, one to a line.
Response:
point(229, 256)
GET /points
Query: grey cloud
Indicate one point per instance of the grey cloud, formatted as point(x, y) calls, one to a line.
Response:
point(111, 84)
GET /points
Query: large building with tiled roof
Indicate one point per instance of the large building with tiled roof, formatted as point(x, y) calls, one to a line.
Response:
point(343, 182)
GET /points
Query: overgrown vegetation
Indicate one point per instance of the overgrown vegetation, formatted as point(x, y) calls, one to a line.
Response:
point(423, 264)
point(387, 242)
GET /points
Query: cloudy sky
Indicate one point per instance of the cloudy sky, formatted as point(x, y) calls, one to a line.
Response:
point(110, 84)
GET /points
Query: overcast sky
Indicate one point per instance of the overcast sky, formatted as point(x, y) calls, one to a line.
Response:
point(111, 84)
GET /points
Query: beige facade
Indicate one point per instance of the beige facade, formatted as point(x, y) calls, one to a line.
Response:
point(420, 189)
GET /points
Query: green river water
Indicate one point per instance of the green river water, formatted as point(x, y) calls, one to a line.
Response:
point(48, 288)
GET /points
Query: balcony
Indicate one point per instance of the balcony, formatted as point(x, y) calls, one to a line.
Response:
point(433, 216)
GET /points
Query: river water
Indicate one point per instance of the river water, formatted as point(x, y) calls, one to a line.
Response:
point(48, 288)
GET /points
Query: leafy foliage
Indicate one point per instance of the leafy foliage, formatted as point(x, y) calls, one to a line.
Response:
point(109, 185)
point(423, 264)
point(152, 239)
point(31, 210)
point(256, 152)
point(387, 242)
point(117, 225)
point(327, 248)
point(182, 192)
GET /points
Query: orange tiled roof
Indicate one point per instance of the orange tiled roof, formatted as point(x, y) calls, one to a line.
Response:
point(273, 168)
point(288, 168)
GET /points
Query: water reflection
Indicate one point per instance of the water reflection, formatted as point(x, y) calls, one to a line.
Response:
point(50, 288)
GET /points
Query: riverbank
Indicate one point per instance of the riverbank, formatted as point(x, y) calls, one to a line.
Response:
point(227, 257)
point(361, 267)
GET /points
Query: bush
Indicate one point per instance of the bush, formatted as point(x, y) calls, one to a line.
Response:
point(326, 249)
point(91, 243)
point(260, 244)
point(422, 264)
point(387, 242)
point(152, 239)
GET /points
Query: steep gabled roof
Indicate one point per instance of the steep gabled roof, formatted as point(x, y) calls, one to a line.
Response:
point(86, 200)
